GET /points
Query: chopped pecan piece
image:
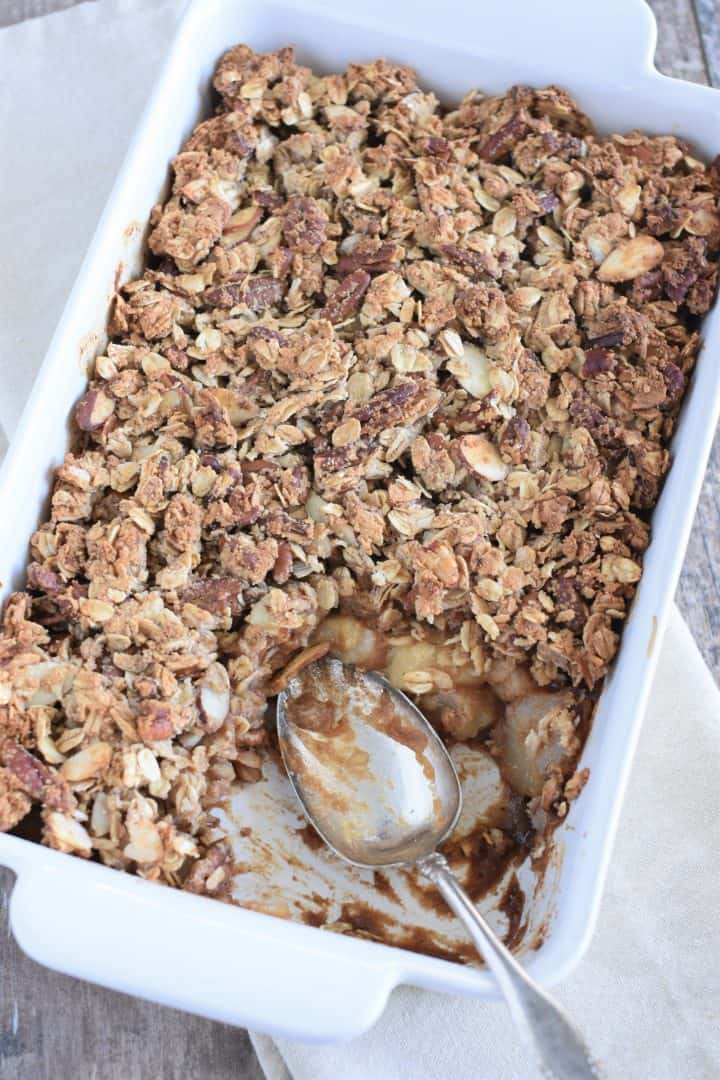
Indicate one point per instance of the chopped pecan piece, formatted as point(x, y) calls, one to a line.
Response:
point(213, 872)
point(304, 225)
point(261, 293)
point(332, 459)
point(43, 578)
point(597, 361)
point(154, 721)
point(515, 439)
point(473, 263)
point(375, 259)
point(218, 595)
point(36, 779)
point(346, 297)
point(503, 139)
point(608, 341)
point(283, 563)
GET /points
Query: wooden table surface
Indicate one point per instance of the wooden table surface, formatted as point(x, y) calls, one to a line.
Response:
point(53, 1027)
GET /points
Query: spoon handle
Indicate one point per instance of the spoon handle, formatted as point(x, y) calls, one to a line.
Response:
point(545, 1027)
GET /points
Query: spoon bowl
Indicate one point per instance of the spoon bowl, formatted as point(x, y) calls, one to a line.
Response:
point(377, 781)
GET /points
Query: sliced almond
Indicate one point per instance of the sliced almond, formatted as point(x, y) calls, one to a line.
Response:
point(406, 358)
point(703, 221)
point(47, 679)
point(141, 518)
point(93, 409)
point(145, 843)
point(100, 815)
point(619, 568)
point(49, 750)
point(262, 613)
point(472, 370)
point(66, 834)
point(410, 520)
point(89, 762)
point(628, 198)
point(451, 342)
point(241, 224)
point(45, 742)
point(298, 662)
point(525, 297)
point(154, 364)
point(481, 457)
point(631, 258)
point(148, 765)
point(214, 696)
point(105, 368)
point(208, 341)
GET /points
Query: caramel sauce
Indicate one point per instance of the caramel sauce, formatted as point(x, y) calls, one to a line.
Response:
point(367, 921)
point(426, 895)
point(386, 718)
point(512, 904)
point(423, 941)
point(310, 714)
point(311, 838)
point(384, 887)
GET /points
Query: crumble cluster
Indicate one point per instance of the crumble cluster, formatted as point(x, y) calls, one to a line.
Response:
point(415, 364)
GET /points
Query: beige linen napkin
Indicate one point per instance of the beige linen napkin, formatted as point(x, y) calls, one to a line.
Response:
point(71, 89)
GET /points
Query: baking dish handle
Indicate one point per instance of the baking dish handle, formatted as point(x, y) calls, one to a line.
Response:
point(192, 953)
point(620, 34)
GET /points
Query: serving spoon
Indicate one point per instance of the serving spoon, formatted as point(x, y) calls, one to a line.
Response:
point(376, 782)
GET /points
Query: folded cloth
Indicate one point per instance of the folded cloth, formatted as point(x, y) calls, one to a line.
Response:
point(73, 85)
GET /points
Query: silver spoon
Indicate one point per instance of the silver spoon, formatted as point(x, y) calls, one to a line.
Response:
point(377, 783)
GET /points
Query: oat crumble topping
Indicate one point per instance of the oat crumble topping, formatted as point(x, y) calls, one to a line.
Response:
point(398, 382)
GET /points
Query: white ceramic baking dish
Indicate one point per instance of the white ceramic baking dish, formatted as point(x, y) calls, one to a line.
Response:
point(237, 965)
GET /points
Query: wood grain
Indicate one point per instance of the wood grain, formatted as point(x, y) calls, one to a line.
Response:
point(708, 19)
point(679, 48)
point(14, 11)
point(53, 1027)
point(683, 52)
